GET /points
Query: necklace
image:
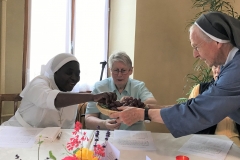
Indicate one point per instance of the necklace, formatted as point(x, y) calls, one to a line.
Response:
point(60, 115)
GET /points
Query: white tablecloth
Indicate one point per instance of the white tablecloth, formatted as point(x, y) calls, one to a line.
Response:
point(167, 149)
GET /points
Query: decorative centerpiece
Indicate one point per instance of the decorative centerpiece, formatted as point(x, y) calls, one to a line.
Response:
point(75, 147)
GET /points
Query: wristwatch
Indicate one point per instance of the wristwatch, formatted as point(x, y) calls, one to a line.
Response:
point(146, 117)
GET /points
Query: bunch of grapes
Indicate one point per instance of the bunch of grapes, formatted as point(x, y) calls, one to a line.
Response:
point(127, 101)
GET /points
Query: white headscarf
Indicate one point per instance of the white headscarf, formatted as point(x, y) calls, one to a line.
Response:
point(56, 63)
point(51, 67)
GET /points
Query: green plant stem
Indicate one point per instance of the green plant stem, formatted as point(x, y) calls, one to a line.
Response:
point(38, 151)
point(39, 144)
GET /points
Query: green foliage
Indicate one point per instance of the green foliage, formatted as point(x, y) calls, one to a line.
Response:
point(213, 5)
point(39, 144)
point(51, 156)
point(202, 74)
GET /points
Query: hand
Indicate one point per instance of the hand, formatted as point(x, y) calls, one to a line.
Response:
point(111, 124)
point(128, 115)
point(105, 97)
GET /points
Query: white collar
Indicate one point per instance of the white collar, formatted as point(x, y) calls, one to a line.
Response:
point(231, 54)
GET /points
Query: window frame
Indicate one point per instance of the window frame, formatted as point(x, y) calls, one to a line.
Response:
point(27, 22)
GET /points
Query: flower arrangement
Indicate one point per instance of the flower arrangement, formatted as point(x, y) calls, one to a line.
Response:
point(75, 147)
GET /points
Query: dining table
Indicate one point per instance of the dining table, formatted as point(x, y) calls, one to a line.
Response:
point(167, 148)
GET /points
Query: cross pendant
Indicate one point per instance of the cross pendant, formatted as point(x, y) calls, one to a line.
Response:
point(60, 120)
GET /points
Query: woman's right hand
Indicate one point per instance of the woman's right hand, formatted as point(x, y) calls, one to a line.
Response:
point(105, 97)
point(111, 124)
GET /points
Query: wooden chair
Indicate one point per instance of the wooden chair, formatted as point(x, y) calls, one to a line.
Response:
point(15, 98)
point(81, 114)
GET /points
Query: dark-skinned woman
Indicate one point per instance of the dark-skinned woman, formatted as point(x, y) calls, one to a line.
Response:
point(47, 101)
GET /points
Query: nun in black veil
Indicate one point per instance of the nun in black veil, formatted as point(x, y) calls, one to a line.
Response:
point(215, 38)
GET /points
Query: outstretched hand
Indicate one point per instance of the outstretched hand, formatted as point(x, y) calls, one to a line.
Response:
point(105, 97)
point(128, 115)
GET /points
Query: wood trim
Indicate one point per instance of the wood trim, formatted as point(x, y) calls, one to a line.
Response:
point(72, 25)
point(3, 30)
point(15, 98)
point(25, 43)
point(108, 54)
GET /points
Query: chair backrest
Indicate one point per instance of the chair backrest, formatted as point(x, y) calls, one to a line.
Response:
point(81, 114)
point(15, 98)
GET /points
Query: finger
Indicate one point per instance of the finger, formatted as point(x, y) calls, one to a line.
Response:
point(121, 108)
point(114, 115)
point(117, 126)
point(112, 121)
point(114, 125)
point(118, 121)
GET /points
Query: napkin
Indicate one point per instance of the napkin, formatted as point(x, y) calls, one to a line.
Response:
point(49, 133)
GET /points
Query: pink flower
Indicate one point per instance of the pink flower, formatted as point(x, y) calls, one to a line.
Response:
point(79, 138)
point(99, 150)
point(70, 158)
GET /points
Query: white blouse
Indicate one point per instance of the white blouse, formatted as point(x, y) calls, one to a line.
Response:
point(38, 110)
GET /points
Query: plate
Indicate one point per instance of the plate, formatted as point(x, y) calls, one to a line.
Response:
point(105, 111)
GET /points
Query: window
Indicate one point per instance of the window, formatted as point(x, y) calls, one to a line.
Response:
point(79, 27)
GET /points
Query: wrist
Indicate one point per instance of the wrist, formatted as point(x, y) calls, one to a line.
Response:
point(104, 124)
point(147, 118)
point(140, 112)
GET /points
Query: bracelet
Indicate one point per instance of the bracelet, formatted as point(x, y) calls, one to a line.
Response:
point(104, 123)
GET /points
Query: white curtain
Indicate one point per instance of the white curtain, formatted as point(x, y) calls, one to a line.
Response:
point(50, 34)
point(91, 40)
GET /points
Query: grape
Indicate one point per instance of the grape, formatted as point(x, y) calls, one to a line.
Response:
point(127, 101)
point(111, 105)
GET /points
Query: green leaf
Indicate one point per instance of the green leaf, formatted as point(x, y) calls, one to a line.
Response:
point(181, 100)
point(51, 156)
point(40, 142)
point(75, 151)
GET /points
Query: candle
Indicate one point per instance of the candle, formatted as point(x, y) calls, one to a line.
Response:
point(181, 157)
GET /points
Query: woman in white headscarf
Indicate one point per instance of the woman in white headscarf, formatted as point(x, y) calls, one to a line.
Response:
point(47, 100)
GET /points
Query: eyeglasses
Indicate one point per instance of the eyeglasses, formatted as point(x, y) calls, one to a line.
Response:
point(123, 71)
point(196, 48)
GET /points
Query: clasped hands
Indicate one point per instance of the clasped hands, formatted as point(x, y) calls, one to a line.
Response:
point(128, 115)
point(111, 124)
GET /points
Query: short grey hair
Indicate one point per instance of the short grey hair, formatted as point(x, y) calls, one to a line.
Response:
point(119, 56)
point(200, 33)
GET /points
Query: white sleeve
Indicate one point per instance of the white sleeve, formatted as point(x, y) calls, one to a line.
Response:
point(40, 94)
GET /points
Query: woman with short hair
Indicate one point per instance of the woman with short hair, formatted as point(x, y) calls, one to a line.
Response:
point(120, 66)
